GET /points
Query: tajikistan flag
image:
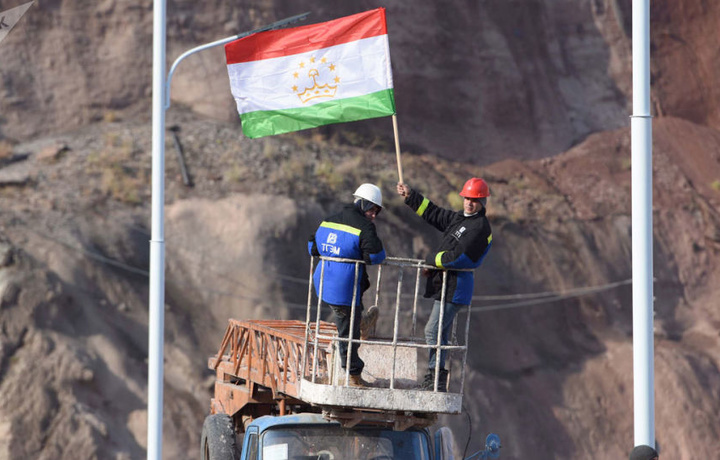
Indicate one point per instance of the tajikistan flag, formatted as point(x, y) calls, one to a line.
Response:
point(303, 77)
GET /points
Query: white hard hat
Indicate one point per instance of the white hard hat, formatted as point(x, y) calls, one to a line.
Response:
point(370, 193)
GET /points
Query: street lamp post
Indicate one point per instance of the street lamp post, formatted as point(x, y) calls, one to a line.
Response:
point(156, 324)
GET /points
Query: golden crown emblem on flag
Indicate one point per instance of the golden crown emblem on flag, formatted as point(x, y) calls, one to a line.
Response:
point(318, 89)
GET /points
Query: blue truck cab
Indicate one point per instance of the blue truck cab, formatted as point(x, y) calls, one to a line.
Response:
point(311, 436)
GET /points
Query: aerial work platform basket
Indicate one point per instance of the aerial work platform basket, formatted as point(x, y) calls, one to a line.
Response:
point(289, 366)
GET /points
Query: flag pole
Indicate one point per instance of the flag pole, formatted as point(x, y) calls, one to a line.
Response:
point(397, 148)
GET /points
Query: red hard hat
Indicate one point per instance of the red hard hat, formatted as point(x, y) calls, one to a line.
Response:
point(475, 188)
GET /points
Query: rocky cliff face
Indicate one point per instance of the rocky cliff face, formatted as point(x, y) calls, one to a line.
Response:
point(554, 379)
point(533, 95)
point(475, 81)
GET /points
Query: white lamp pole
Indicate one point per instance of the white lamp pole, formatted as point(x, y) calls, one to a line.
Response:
point(642, 229)
point(156, 325)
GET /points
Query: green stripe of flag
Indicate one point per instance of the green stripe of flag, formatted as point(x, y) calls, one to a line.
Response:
point(266, 123)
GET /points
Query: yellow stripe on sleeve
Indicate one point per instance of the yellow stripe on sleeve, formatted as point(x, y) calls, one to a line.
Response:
point(423, 206)
point(438, 259)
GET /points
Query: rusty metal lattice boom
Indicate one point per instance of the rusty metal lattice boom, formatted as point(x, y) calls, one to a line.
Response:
point(270, 353)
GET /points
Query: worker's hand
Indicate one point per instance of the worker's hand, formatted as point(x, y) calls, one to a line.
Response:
point(403, 190)
point(426, 272)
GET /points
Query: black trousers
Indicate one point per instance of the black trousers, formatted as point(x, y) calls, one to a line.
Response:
point(342, 321)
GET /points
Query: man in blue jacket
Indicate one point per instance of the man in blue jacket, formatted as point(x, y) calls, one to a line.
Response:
point(349, 234)
point(465, 242)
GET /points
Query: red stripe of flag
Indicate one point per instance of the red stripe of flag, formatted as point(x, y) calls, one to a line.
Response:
point(286, 42)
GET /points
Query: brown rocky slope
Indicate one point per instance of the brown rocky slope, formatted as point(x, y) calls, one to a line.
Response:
point(477, 81)
point(554, 380)
point(505, 85)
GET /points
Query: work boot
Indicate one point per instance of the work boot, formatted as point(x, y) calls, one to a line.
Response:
point(357, 381)
point(429, 381)
point(368, 322)
point(443, 382)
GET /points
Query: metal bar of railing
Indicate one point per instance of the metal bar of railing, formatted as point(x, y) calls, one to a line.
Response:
point(377, 285)
point(390, 344)
point(438, 351)
point(398, 262)
point(454, 341)
point(317, 321)
point(418, 271)
point(307, 318)
point(395, 329)
point(348, 350)
point(467, 338)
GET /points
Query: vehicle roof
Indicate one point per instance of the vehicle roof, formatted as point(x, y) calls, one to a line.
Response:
point(268, 421)
point(274, 421)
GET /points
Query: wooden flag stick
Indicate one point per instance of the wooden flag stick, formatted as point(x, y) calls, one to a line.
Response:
point(397, 148)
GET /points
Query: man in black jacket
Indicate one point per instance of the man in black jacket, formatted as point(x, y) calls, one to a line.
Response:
point(465, 242)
